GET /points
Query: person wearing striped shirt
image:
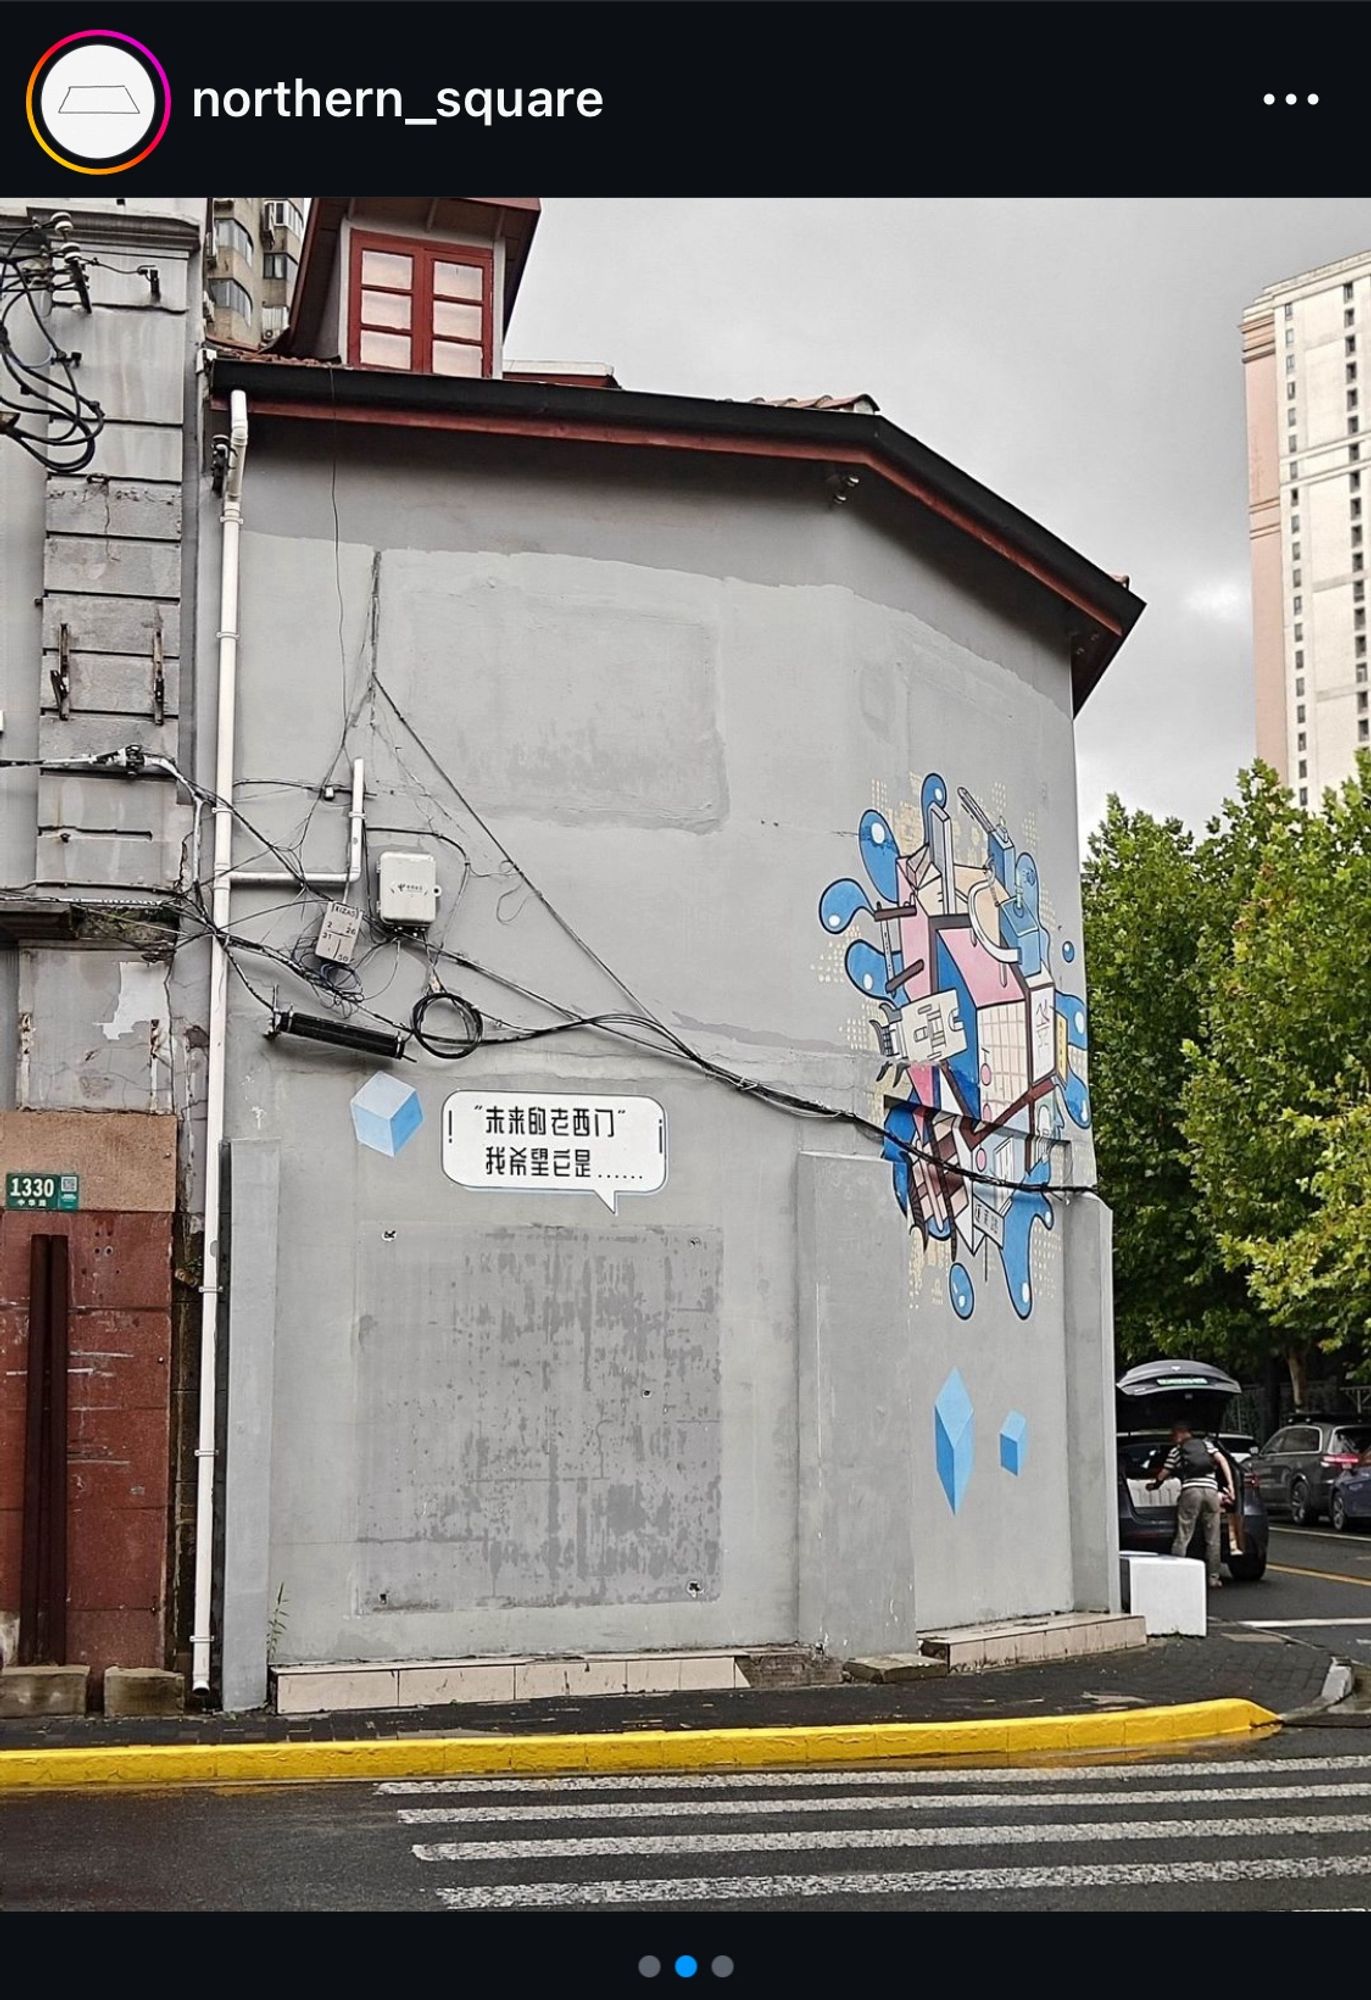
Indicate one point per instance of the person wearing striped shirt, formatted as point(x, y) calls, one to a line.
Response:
point(1203, 1472)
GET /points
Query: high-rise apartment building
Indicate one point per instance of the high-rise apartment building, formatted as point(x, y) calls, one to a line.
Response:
point(252, 256)
point(1305, 346)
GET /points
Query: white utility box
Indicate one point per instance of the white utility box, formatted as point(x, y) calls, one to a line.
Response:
point(407, 889)
point(1169, 1594)
point(337, 939)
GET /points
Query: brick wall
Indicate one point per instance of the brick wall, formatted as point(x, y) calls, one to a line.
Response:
point(119, 1378)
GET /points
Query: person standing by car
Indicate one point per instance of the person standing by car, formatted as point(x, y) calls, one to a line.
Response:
point(1204, 1474)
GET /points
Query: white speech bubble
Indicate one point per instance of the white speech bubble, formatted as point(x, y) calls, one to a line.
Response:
point(554, 1142)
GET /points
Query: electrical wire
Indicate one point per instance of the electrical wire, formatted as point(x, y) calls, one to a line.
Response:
point(351, 713)
point(41, 408)
point(233, 941)
point(448, 1049)
point(765, 1093)
point(562, 923)
point(337, 545)
point(208, 796)
point(779, 1099)
point(119, 760)
point(664, 1041)
point(444, 1046)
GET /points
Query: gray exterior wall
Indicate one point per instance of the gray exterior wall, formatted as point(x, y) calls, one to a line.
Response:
point(249, 1607)
point(21, 565)
point(516, 1421)
point(105, 553)
point(96, 1015)
point(114, 561)
point(880, 1555)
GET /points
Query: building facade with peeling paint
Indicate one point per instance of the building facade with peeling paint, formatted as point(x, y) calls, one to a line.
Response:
point(655, 1209)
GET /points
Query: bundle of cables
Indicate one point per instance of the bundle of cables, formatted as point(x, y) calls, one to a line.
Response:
point(448, 1048)
point(41, 408)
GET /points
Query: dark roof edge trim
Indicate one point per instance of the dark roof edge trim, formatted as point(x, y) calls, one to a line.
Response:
point(627, 416)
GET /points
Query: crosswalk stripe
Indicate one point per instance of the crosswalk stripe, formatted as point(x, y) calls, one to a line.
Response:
point(915, 1802)
point(807, 1840)
point(1290, 1624)
point(716, 1889)
point(706, 1781)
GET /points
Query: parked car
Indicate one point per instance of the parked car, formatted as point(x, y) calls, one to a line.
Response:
point(1349, 1503)
point(1296, 1468)
point(1238, 1445)
point(1148, 1401)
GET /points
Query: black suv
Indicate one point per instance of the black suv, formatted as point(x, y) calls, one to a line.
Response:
point(1296, 1468)
point(1148, 1401)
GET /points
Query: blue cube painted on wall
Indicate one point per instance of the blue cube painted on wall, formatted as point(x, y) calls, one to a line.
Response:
point(954, 1438)
point(1014, 1443)
point(386, 1113)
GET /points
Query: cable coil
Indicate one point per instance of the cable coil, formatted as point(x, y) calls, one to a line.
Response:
point(446, 1047)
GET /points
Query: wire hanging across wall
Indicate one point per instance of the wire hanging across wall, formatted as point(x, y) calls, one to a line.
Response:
point(41, 408)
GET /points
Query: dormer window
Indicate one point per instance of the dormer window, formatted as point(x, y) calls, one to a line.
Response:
point(422, 306)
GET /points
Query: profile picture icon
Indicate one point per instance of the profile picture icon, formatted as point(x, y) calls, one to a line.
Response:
point(98, 102)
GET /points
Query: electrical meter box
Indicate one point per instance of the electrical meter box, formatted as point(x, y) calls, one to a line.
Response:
point(337, 939)
point(407, 889)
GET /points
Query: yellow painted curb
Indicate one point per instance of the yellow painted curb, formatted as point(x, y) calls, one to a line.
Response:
point(636, 1750)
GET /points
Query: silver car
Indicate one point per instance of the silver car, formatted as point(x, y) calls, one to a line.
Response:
point(1295, 1469)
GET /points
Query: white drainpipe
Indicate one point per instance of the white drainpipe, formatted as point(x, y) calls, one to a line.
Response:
point(255, 878)
point(232, 518)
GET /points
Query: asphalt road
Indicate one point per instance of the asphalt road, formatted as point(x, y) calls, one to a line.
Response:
point(1317, 1587)
point(1282, 1824)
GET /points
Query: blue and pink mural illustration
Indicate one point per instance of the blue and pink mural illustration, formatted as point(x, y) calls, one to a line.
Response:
point(983, 1054)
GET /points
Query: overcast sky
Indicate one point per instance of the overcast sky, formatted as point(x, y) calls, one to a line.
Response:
point(1082, 358)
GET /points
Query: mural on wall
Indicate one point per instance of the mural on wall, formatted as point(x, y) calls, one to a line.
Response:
point(386, 1114)
point(982, 1054)
point(1014, 1442)
point(954, 1440)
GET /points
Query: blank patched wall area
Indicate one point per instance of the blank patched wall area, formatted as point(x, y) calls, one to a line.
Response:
point(537, 1416)
point(570, 701)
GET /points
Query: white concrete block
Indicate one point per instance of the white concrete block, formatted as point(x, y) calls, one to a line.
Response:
point(424, 1687)
point(598, 1676)
point(1069, 1635)
point(1167, 1592)
point(539, 1678)
point(336, 1687)
point(534, 1680)
point(654, 1676)
point(705, 1671)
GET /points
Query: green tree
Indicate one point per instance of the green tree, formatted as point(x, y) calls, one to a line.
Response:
point(1230, 857)
point(1277, 1095)
point(1324, 1266)
point(1147, 905)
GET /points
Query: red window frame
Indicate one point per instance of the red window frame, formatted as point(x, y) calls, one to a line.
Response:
point(423, 256)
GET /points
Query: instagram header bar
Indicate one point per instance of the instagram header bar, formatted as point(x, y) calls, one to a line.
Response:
point(942, 97)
